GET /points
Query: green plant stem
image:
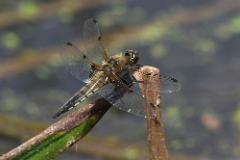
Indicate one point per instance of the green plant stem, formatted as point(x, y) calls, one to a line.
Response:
point(61, 135)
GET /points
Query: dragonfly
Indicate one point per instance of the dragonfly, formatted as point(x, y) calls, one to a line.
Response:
point(110, 76)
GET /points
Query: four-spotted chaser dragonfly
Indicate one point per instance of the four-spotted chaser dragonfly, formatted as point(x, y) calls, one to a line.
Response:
point(110, 76)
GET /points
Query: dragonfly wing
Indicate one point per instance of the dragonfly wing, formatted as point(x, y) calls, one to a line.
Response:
point(76, 61)
point(169, 84)
point(131, 99)
point(80, 59)
point(128, 100)
point(92, 37)
point(132, 102)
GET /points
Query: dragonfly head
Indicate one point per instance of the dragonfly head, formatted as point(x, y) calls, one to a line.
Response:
point(132, 56)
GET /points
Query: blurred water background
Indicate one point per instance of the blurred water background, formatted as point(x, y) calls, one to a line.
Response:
point(195, 41)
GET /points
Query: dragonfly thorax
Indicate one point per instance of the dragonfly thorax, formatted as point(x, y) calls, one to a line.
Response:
point(113, 62)
point(107, 69)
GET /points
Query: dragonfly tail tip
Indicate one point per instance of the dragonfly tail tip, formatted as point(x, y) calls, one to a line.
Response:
point(69, 44)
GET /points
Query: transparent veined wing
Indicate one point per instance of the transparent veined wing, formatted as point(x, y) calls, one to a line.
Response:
point(92, 38)
point(76, 61)
point(133, 102)
point(80, 59)
point(169, 84)
point(126, 98)
point(130, 98)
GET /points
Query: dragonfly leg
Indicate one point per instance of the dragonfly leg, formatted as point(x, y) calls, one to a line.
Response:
point(96, 67)
point(132, 69)
point(119, 82)
point(135, 80)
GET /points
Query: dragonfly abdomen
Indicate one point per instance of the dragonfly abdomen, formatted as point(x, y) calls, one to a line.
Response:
point(86, 91)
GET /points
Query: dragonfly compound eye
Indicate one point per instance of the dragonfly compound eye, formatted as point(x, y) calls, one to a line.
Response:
point(134, 57)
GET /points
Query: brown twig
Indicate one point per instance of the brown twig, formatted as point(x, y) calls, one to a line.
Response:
point(156, 133)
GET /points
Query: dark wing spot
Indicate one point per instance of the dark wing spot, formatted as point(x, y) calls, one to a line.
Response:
point(174, 80)
point(169, 78)
point(93, 67)
point(94, 21)
point(69, 44)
